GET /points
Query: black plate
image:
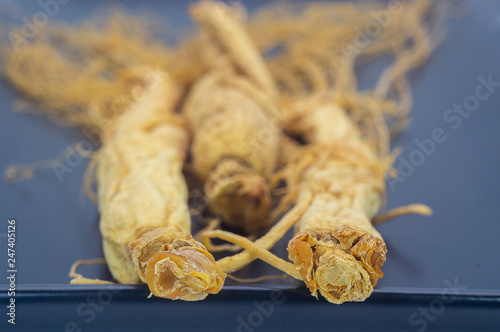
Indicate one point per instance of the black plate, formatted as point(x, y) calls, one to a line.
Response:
point(454, 252)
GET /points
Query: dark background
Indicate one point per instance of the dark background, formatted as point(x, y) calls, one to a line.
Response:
point(56, 224)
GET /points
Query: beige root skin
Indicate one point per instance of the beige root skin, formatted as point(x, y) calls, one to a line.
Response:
point(342, 262)
point(235, 192)
point(336, 248)
point(78, 279)
point(421, 209)
point(256, 250)
point(175, 266)
point(235, 149)
point(139, 174)
point(145, 221)
point(304, 67)
point(232, 151)
point(253, 249)
point(226, 41)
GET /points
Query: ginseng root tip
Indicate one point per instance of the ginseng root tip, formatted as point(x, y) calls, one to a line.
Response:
point(186, 273)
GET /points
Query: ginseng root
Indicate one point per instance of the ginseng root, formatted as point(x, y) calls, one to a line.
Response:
point(335, 182)
point(336, 248)
point(145, 221)
point(337, 185)
point(234, 148)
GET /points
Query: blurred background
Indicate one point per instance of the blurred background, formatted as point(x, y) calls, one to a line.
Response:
point(449, 161)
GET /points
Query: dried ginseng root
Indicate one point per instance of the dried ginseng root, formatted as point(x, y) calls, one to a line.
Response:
point(340, 180)
point(234, 148)
point(145, 221)
point(335, 247)
point(337, 186)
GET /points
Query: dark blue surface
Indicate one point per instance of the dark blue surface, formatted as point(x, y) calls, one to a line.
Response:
point(57, 225)
point(115, 308)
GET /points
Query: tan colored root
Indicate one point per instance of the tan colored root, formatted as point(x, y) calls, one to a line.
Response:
point(76, 74)
point(256, 250)
point(221, 247)
point(175, 266)
point(213, 225)
point(145, 222)
point(409, 58)
point(420, 209)
point(239, 195)
point(86, 75)
point(234, 149)
point(290, 150)
point(17, 172)
point(78, 279)
point(317, 52)
point(139, 173)
point(227, 40)
point(261, 97)
point(342, 260)
point(92, 84)
point(258, 279)
point(228, 123)
point(336, 249)
point(238, 261)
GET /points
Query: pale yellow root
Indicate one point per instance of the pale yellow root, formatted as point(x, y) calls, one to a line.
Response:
point(213, 225)
point(237, 190)
point(336, 249)
point(235, 149)
point(78, 279)
point(223, 28)
point(175, 266)
point(341, 258)
point(145, 221)
point(17, 172)
point(238, 261)
point(86, 74)
point(420, 209)
point(268, 257)
point(319, 46)
point(258, 251)
point(258, 279)
point(221, 247)
point(111, 61)
point(290, 150)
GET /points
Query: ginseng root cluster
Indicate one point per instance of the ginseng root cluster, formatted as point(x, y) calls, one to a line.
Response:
point(264, 111)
